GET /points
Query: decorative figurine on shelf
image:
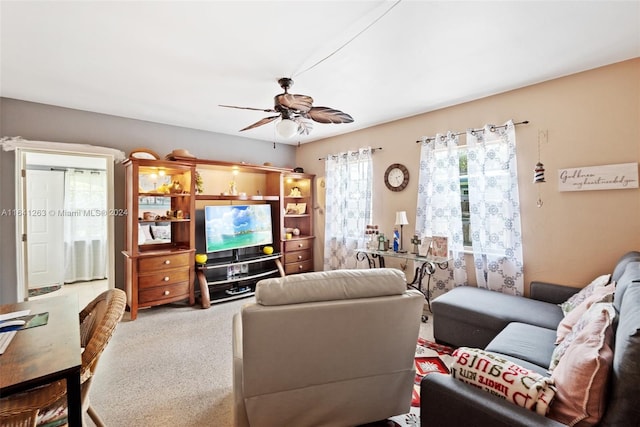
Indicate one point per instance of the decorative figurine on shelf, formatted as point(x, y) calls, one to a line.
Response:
point(416, 243)
point(233, 189)
point(295, 192)
point(396, 240)
point(175, 188)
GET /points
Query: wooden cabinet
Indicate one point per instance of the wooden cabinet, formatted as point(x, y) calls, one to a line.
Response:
point(290, 194)
point(297, 222)
point(159, 247)
point(161, 237)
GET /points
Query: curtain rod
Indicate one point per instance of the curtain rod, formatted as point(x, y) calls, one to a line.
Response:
point(373, 150)
point(492, 129)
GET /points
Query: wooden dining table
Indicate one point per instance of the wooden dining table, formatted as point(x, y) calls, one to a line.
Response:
point(44, 354)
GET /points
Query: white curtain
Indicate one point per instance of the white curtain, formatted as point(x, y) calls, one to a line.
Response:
point(348, 188)
point(439, 211)
point(85, 225)
point(495, 208)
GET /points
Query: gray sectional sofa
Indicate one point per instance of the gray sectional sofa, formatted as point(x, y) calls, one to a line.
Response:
point(523, 330)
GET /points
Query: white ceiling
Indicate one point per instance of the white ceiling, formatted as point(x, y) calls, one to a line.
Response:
point(174, 62)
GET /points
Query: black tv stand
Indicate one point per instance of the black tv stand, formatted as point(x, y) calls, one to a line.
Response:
point(235, 277)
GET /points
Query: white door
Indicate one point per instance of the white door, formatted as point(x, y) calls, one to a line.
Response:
point(45, 225)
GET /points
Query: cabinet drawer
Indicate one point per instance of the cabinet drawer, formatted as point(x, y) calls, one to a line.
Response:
point(298, 267)
point(163, 278)
point(160, 293)
point(297, 256)
point(297, 245)
point(151, 264)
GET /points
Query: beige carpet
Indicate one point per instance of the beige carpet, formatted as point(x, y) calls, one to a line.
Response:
point(171, 367)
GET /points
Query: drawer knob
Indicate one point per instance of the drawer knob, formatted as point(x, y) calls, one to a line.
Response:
point(167, 261)
point(300, 267)
point(299, 256)
point(166, 292)
point(300, 245)
point(166, 278)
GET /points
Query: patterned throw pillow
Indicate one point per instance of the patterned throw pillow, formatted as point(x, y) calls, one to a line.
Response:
point(604, 294)
point(583, 372)
point(584, 293)
point(501, 377)
point(593, 314)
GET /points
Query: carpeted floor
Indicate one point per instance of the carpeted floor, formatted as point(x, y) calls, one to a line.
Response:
point(172, 366)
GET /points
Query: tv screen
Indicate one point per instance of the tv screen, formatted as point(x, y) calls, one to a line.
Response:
point(237, 226)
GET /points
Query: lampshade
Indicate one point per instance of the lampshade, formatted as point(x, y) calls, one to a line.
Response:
point(286, 128)
point(401, 218)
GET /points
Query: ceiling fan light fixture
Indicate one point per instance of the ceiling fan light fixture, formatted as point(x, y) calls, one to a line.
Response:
point(286, 128)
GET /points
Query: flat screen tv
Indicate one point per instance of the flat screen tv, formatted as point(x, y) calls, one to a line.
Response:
point(232, 227)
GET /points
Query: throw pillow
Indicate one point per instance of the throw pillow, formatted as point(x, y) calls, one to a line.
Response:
point(161, 232)
point(501, 377)
point(584, 293)
point(583, 371)
point(592, 315)
point(603, 294)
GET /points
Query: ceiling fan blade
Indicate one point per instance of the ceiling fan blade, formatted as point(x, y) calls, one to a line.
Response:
point(328, 115)
point(294, 102)
point(260, 122)
point(304, 126)
point(269, 110)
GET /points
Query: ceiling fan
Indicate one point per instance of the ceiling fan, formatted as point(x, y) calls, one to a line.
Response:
point(296, 112)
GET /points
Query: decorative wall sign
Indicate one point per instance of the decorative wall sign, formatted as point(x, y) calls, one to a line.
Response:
point(607, 177)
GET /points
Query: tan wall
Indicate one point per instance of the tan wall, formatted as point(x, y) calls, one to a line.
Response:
point(592, 118)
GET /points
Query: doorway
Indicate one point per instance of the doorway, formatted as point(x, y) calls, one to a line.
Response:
point(67, 234)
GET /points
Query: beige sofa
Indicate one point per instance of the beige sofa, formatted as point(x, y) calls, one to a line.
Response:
point(331, 348)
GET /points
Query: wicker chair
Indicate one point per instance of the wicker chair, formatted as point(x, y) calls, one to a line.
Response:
point(98, 321)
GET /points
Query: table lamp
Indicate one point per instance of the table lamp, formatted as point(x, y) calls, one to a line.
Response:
point(401, 220)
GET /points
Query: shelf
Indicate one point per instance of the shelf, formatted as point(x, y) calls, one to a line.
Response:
point(141, 194)
point(164, 220)
point(296, 215)
point(226, 262)
point(241, 277)
point(232, 297)
point(249, 198)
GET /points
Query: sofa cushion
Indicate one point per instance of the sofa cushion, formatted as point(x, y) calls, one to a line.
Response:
point(621, 266)
point(623, 408)
point(604, 294)
point(527, 342)
point(584, 293)
point(631, 274)
point(472, 317)
point(582, 373)
point(330, 286)
point(501, 377)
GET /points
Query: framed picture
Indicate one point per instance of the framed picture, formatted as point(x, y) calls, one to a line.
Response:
point(291, 209)
point(425, 246)
point(440, 247)
point(296, 208)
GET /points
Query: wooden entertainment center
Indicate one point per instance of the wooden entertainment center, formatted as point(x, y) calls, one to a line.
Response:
point(162, 234)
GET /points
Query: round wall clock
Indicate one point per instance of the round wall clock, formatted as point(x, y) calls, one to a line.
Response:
point(396, 177)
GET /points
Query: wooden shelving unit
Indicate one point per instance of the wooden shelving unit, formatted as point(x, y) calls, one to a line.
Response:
point(160, 269)
point(293, 232)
